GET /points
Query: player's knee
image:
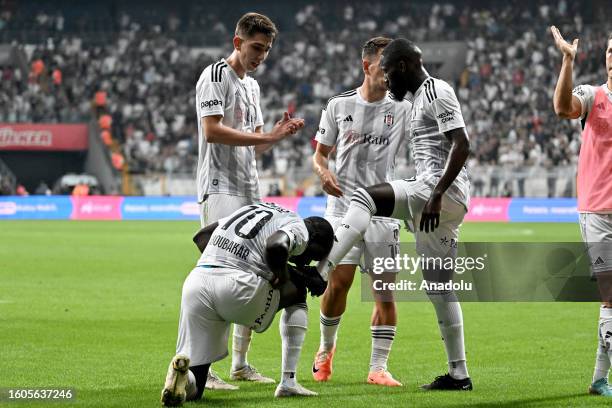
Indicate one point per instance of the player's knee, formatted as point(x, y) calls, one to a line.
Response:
point(383, 197)
point(339, 286)
point(604, 282)
point(362, 198)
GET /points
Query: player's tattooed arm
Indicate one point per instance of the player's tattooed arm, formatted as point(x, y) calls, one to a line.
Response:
point(276, 255)
point(202, 237)
point(460, 150)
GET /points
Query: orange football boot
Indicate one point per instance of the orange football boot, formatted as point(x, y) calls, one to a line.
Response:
point(322, 366)
point(383, 377)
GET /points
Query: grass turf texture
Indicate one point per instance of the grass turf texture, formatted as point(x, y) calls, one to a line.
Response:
point(94, 306)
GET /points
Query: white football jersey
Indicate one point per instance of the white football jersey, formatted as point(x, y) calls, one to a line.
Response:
point(239, 241)
point(436, 110)
point(367, 136)
point(227, 169)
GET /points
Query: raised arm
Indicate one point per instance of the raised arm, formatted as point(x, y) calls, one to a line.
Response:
point(566, 105)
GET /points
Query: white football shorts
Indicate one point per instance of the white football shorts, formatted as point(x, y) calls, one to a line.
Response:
point(213, 298)
point(381, 240)
point(410, 198)
point(596, 230)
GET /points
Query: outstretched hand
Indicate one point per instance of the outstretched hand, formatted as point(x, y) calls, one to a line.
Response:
point(286, 126)
point(566, 48)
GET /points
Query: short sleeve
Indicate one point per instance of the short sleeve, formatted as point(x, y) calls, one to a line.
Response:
point(327, 133)
point(444, 106)
point(298, 236)
point(211, 97)
point(586, 96)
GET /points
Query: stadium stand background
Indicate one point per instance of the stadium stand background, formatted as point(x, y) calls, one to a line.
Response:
point(131, 69)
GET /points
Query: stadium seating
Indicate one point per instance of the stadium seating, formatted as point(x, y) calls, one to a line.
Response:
point(140, 65)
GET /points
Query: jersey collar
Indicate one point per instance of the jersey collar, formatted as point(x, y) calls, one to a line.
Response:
point(363, 101)
point(233, 73)
point(418, 91)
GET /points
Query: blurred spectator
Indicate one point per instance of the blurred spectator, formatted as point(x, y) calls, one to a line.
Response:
point(142, 73)
point(80, 190)
point(21, 191)
point(42, 189)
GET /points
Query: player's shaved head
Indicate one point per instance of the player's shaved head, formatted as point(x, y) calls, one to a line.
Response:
point(320, 241)
point(401, 49)
point(403, 67)
point(320, 237)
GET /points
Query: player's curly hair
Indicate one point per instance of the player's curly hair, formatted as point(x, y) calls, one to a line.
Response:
point(373, 46)
point(253, 23)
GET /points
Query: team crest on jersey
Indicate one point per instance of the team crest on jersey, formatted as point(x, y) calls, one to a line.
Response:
point(388, 119)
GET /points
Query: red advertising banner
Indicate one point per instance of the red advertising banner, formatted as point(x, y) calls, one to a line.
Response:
point(43, 137)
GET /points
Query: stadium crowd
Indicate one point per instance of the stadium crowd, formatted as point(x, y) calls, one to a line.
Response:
point(145, 76)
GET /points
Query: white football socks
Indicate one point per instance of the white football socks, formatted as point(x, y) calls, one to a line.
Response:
point(293, 324)
point(329, 331)
point(450, 321)
point(191, 389)
point(382, 340)
point(240, 346)
point(352, 228)
point(602, 358)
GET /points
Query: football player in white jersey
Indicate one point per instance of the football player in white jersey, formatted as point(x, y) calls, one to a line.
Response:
point(243, 277)
point(230, 134)
point(367, 128)
point(433, 203)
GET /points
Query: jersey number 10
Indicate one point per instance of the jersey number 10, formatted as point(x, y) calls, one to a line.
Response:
point(247, 215)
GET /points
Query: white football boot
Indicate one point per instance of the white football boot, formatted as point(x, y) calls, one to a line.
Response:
point(214, 382)
point(297, 390)
point(250, 373)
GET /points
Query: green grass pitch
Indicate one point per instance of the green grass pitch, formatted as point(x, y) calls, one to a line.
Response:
point(94, 306)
